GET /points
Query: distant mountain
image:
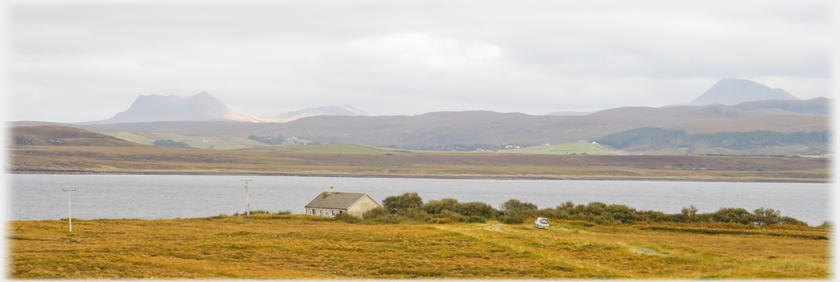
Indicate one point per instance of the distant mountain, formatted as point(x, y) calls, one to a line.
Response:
point(199, 107)
point(204, 107)
point(481, 127)
point(345, 110)
point(485, 127)
point(753, 109)
point(731, 91)
point(568, 113)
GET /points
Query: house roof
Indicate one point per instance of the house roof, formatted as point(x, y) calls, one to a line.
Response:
point(336, 200)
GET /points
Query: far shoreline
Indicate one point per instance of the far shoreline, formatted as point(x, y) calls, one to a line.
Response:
point(424, 176)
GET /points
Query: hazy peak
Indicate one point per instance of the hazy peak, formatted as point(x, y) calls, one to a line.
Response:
point(732, 91)
point(201, 106)
point(345, 110)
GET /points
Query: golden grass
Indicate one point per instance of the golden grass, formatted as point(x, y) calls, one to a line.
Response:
point(300, 246)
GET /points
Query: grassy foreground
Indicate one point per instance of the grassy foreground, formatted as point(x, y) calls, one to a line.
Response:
point(299, 246)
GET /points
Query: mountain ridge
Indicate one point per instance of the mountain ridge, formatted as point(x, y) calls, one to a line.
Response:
point(446, 128)
point(205, 107)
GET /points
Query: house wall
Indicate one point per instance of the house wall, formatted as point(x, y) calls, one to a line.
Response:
point(363, 205)
point(324, 212)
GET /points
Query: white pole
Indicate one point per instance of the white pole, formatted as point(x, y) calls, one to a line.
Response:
point(247, 199)
point(69, 208)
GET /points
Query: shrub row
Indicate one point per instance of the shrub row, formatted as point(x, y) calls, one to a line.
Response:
point(410, 207)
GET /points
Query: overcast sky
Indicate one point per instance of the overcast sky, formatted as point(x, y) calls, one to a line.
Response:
point(72, 63)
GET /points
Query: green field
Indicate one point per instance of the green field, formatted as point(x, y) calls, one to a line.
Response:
point(203, 142)
point(577, 148)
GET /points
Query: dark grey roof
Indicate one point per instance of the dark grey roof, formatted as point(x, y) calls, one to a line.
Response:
point(335, 200)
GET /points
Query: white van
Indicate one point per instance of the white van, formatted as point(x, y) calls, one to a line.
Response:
point(541, 222)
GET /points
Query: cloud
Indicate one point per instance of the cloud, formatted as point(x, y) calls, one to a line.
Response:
point(423, 49)
point(78, 63)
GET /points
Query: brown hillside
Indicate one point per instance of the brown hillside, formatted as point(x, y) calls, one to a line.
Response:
point(353, 160)
point(63, 136)
point(786, 124)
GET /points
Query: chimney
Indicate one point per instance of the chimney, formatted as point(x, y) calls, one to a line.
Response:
point(332, 190)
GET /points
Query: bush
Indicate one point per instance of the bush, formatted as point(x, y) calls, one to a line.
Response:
point(477, 209)
point(825, 224)
point(766, 217)
point(436, 207)
point(510, 219)
point(453, 216)
point(416, 214)
point(792, 221)
point(552, 213)
point(656, 216)
point(478, 219)
point(395, 204)
point(705, 217)
point(252, 213)
point(346, 217)
point(374, 213)
point(514, 206)
point(688, 214)
point(736, 215)
point(621, 213)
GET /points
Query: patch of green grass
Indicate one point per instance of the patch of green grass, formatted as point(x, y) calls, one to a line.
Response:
point(331, 148)
point(577, 148)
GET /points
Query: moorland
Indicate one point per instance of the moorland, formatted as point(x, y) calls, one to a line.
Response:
point(283, 246)
point(51, 149)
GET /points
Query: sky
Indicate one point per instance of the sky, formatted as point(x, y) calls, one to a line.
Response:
point(88, 61)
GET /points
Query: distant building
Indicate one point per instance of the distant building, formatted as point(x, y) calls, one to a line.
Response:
point(332, 203)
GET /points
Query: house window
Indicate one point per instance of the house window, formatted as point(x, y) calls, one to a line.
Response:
point(333, 213)
point(312, 212)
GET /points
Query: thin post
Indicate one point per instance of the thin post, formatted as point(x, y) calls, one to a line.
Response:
point(247, 199)
point(69, 207)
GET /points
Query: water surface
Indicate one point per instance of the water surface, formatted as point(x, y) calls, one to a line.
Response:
point(39, 196)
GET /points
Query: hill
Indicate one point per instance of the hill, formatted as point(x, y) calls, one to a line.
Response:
point(650, 138)
point(731, 91)
point(782, 123)
point(345, 110)
point(478, 129)
point(201, 106)
point(471, 127)
point(752, 109)
point(63, 136)
point(364, 161)
point(815, 107)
